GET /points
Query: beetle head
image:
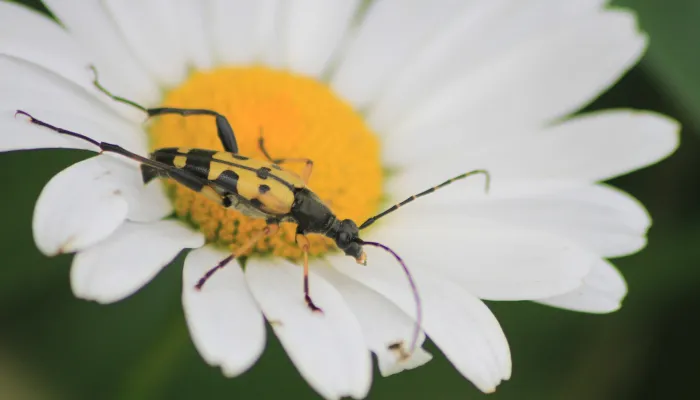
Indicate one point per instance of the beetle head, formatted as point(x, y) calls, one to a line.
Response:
point(348, 239)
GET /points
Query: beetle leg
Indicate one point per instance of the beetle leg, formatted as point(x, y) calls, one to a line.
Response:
point(303, 243)
point(306, 172)
point(270, 229)
point(308, 167)
point(223, 127)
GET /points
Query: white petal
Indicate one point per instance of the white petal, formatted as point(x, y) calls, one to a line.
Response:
point(601, 218)
point(540, 81)
point(151, 32)
point(480, 35)
point(18, 133)
point(491, 260)
point(589, 148)
point(270, 31)
point(602, 291)
point(29, 87)
point(92, 26)
point(391, 33)
point(147, 203)
point(36, 39)
point(592, 147)
point(327, 348)
point(382, 322)
point(193, 32)
point(314, 30)
point(124, 262)
point(389, 364)
point(459, 323)
point(79, 207)
point(225, 323)
point(241, 30)
point(150, 204)
point(605, 220)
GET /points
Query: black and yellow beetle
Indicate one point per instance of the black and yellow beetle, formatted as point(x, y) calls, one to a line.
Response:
point(258, 189)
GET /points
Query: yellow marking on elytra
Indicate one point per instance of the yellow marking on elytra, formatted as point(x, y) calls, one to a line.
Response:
point(180, 161)
point(248, 183)
point(288, 176)
point(216, 169)
point(275, 204)
point(278, 200)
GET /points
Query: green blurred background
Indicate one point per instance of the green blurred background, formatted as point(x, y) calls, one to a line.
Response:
point(53, 346)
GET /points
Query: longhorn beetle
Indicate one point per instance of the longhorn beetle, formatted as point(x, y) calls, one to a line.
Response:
point(258, 189)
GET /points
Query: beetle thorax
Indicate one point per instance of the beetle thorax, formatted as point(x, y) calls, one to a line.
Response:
point(311, 214)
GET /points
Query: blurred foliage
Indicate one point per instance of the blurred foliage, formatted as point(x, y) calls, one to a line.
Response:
point(673, 59)
point(53, 346)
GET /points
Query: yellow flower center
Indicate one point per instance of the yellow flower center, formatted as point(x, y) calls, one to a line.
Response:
point(300, 118)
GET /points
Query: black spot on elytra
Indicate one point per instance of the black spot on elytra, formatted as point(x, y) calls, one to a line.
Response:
point(197, 161)
point(226, 201)
point(165, 155)
point(203, 153)
point(263, 189)
point(263, 172)
point(228, 180)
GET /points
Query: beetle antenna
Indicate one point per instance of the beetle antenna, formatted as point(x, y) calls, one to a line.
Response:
point(113, 148)
point(395, 207)
point(416, 297)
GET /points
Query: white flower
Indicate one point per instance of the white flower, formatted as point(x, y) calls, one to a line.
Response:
point(448, 86)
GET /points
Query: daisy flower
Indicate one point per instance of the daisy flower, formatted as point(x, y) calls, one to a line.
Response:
point(387, 98)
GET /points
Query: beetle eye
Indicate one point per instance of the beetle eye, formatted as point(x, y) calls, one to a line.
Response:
point(343, 239)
